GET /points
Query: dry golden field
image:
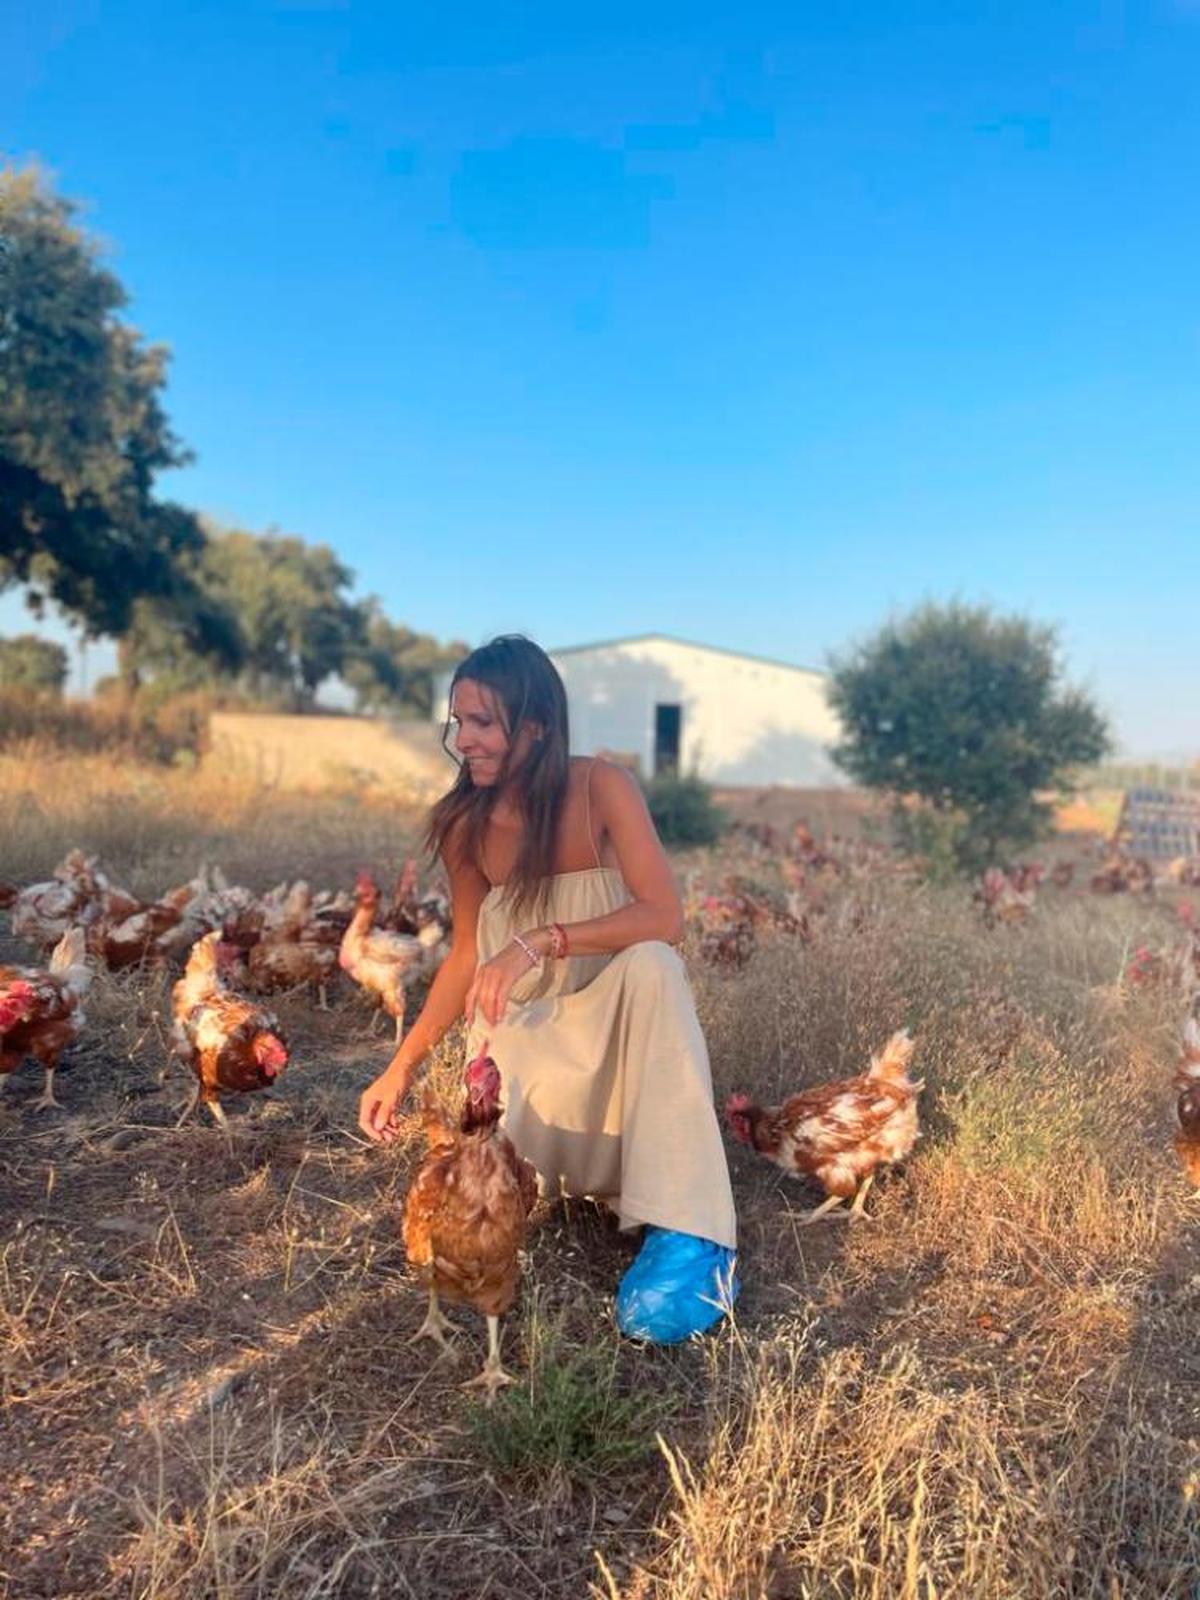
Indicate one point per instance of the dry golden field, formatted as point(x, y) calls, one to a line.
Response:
point(989, 1389)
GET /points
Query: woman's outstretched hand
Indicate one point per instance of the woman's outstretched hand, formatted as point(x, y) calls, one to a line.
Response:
point(378, 1104)
point(493, 983)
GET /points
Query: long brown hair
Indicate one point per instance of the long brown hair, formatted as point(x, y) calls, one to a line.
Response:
point(527, 688)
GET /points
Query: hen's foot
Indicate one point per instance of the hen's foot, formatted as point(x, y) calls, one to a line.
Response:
point(436, 1327)
point(46, 1101)
point(826, 1208)
point(491, 1380)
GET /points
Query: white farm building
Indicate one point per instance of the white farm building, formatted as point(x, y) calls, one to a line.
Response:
point(661, 703)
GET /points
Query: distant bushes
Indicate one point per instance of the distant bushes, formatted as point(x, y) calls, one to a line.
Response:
point(143, 726)
point(683, 809)
point(32, 664)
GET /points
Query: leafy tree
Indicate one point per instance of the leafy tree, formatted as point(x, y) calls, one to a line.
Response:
point(27, 662)
point(394, 667)
point(278, 601)
point(964, 713)
point(291, 626)
point(296, 624)
point(82, 428)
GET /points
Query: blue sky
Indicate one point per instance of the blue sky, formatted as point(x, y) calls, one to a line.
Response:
point(748, 324)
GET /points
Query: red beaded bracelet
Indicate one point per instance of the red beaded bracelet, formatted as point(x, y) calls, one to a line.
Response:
point(561, 946)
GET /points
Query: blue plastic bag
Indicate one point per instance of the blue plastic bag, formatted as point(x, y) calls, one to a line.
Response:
point(677, 1286)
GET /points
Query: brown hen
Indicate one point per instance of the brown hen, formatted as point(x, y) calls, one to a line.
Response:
point(466, 1214)
point(41, 1010)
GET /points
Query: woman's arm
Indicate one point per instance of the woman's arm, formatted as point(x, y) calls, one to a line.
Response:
point(655, 912)
point(443, 1004)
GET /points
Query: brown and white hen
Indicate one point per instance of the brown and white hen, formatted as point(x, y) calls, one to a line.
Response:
point(232, 1045)
point(838, 1133)
point(384, 963)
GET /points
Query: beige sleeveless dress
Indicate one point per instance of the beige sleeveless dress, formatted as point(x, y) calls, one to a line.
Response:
point(606, 1079)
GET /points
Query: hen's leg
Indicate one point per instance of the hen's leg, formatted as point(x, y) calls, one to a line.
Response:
point(826, 1206)
point(435, 1326)
point(493, 1376)
point(322, 998)
point(46, 1099)
point(856, 1210)
point(218, 1111)
point(189, 1108)
point(399, 1016)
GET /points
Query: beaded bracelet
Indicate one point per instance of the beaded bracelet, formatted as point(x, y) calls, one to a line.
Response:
point(534, 958)
point(559, 934)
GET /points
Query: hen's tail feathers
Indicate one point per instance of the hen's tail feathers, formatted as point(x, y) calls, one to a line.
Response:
point(891, 1064)
point(69, 959)
point(202, 958)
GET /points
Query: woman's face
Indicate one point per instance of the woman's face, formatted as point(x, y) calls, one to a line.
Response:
point(480, 738)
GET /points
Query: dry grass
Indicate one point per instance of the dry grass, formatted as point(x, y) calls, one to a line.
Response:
point(988, 1390)
point(155, 825)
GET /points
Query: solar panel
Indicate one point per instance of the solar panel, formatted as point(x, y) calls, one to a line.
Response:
point(1160, 823)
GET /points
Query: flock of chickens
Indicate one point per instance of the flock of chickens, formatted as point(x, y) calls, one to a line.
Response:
point(468, 1207)
point(1010, 896)
point(232, 941)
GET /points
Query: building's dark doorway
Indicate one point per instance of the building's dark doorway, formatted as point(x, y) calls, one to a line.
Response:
point(667, 720)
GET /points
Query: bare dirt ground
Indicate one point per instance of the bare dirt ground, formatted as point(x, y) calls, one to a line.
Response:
point(988, 1389)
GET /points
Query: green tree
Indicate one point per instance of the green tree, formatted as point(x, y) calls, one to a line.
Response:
point(281, 602)
point(394, 666)
point(291, 626)
point(296, 624)
point(82, 428)
point(27, 662)
point(965, 718)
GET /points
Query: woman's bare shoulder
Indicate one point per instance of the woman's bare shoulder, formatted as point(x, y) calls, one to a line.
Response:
point(612, 784)
point(597, 774)
point(581, 766)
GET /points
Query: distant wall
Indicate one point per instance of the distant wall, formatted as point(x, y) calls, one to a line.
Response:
point(347, 753)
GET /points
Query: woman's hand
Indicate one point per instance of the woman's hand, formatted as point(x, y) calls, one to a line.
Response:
point(493, 983)
point(378, 1105)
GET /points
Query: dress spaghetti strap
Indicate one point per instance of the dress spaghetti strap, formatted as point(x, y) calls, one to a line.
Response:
point(588, 803)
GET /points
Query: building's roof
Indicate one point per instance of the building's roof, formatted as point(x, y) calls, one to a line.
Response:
point(690, 644)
